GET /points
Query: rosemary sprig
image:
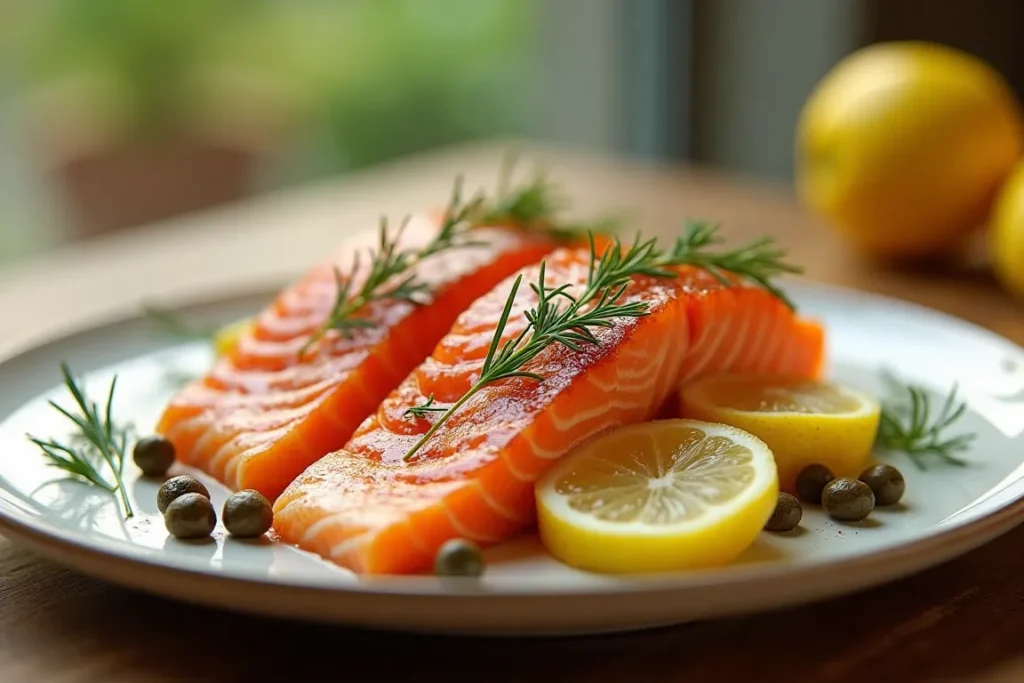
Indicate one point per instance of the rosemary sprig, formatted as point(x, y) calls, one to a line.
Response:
point(909, 424)
point(388, 262)
point(535, 206)
point(96, 436)
point(572, 325)
point(423, 409)
point(758, 262)
point(532, 206)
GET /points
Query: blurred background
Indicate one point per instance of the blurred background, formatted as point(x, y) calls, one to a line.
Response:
point(212, 101)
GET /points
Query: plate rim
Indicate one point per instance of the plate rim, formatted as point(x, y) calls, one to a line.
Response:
point(942, 545)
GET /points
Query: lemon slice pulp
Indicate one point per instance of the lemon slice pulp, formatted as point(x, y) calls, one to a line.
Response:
point(225, 339)
point(657, 496)
point(802, 421)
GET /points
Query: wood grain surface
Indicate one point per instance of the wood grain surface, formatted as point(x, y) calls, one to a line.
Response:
point(963, 621)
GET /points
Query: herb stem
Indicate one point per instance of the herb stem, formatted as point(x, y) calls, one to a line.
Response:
point(97, 432)
point(444, 418)
point(912, 427)
point(608, 276)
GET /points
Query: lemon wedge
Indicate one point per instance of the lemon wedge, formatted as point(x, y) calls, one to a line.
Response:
point(802, 421)
point(657, 496)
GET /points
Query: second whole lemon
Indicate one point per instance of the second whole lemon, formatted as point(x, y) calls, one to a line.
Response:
point(903, 146)
point(1006, 234)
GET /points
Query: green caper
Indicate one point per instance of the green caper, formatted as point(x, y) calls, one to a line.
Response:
point(247, 514)
point(154, 455)
point(458, 558)
point(190, 516)
point(787, 515)
point(812, 481)
point(886, 483)
point(848, 500)
point(178, 486)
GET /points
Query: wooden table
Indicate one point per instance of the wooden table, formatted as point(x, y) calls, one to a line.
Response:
point(962, 621)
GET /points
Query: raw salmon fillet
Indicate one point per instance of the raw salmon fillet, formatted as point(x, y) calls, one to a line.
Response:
point(366, 509)
point(263, 413)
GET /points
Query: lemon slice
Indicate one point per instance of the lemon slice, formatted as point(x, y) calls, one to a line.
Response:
point(657, 496)
point(225, 339)
point(802, 421)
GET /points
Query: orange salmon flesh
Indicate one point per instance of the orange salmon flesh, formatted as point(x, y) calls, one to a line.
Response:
point(264, 412)
point(365, 508)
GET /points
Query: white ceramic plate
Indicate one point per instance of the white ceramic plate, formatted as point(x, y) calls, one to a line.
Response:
point(947, 510)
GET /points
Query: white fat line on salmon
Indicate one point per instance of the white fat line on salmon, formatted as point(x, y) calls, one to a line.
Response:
point(775, 348)
point(498, 508)
point(742, 328)
point(346, 547)
point(216, 431)
point(774, 342)
point(598, 428)
point(503, 454)
point(248, 444)
point(460, 529)
point(231, 448)
point(706, 350)
point(350, 546)
point(623, 374)
point(617, 389)
point(556, 453)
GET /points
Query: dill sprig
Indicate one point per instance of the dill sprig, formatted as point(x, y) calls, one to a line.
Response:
point(559, 317)
point(97, 437)
point(388, 262)
point(909, 424)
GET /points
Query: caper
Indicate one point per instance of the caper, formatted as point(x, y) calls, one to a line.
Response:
point(154, 455)
point(190, 516)
point(247, 514)
point(812, 481)
point(458, 558)
point(787, 515)
point(848, 500)
point(178, 486)
point(886, 483)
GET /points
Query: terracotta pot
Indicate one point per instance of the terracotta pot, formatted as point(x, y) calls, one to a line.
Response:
point(116, 188)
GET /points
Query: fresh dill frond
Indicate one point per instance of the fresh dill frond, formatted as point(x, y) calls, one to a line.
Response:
point(97, 441)
point(909, 423)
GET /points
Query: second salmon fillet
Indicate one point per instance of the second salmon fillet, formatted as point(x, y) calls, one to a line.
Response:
point(368, 509)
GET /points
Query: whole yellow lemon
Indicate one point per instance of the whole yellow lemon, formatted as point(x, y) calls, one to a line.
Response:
point(903, 147)
point(1006, 236)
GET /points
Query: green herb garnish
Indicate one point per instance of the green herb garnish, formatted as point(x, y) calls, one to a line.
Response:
point(535, 206)
point(175, 326)
point(560, 317)
point(388, 262)
point(910, 424)
point(530, 207)
point(97, 441)
point(423, 409)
